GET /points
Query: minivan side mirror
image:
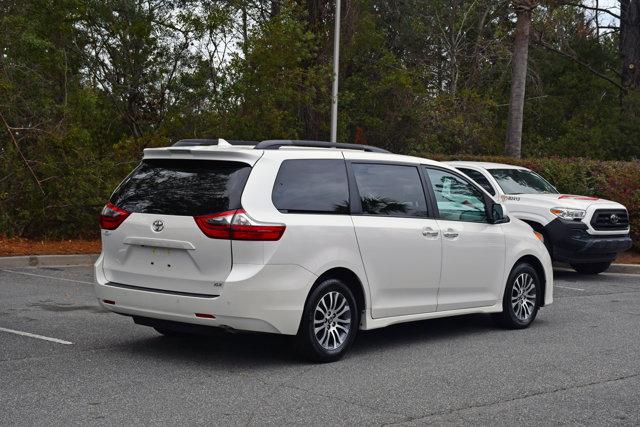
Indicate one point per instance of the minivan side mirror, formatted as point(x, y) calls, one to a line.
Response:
point(498, 214)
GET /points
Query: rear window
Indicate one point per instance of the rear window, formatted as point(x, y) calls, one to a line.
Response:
point(312, 186)
point(182, 187)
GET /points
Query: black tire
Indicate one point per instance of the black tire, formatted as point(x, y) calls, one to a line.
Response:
point(314, 347)
point(592, 268)
point(513, 317)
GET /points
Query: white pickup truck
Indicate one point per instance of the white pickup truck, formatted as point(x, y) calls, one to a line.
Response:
point(585, 232)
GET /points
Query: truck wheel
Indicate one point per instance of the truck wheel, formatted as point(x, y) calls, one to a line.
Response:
point(329, 323)
point(592, 268)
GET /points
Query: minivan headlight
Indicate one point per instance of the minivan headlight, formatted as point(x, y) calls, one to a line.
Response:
point(569, 214)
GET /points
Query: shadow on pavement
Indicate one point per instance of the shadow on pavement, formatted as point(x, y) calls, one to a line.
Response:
point(227, 350)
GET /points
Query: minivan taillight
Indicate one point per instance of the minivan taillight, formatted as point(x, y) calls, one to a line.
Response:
point(243, 227)
point(216, 226)
point(238, 225)
point(112, 216)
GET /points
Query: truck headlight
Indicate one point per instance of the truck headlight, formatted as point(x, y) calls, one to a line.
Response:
point(568, 213)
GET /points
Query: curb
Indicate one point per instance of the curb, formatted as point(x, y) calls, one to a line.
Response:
point(48, 261)
point(624, 268)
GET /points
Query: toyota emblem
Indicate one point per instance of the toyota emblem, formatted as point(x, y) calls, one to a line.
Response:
point(614, 219)
point(158, 225)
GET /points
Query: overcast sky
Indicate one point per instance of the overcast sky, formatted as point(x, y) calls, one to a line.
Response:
point(608, 3)
point(613, 5)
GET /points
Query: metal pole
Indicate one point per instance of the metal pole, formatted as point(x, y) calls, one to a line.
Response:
point(336, 65)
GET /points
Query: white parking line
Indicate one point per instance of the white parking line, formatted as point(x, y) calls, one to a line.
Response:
point(569, 287)
point(46, 277)
point(40, 337)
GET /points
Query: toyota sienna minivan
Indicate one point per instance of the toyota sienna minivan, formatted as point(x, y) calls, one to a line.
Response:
point(311, 239)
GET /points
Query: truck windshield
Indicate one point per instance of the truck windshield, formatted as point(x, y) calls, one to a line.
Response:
point(521, 181)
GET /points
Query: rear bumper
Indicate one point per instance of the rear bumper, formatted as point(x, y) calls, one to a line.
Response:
point(261, 298)
point(572, 244)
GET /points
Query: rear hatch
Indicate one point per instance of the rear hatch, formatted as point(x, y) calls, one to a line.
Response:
point(159, 245)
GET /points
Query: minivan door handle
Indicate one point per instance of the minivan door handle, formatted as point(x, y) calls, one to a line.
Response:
point(430, 232)
point(450, 233)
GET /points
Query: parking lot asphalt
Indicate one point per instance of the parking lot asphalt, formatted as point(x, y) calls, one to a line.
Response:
point(579, 364)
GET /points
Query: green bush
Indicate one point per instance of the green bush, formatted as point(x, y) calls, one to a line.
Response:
point(77, 183)
point(81, 180)
point(612, 180)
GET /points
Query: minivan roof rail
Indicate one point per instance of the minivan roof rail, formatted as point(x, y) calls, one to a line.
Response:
point(205, 142)
point(277, 143)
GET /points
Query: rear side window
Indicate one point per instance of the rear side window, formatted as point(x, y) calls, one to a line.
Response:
point(312, 186)
point(182, 187)
point(479, 178)
point(390, 190)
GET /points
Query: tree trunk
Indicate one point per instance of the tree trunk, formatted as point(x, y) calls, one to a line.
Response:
point(513, 146)
point(276, 6)
point(630, 43)
point(245, 36)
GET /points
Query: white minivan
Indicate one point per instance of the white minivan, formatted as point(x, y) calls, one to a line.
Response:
point(311, 239)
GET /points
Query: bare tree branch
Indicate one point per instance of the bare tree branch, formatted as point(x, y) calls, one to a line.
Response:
point(26, 162)
point(596, 9)
point(579, 62)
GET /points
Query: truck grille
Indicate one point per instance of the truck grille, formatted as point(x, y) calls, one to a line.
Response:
point(610, 219)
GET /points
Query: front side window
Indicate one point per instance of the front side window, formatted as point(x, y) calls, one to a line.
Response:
point(480, 179)
point(390, 190)
point(312, 186)
point(457, 199)
point(521, 181)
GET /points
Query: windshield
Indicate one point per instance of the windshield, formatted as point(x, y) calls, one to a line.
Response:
point(521, 181)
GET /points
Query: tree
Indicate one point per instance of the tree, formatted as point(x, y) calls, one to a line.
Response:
point(630, 43)
point(628, 34)
point(524, 10)
point(135, 52)
point(86, 84)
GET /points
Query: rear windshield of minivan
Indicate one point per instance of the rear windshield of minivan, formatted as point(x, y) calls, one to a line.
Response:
point(182, 187)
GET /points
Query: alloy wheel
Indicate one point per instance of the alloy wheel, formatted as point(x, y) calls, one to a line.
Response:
point(332, 320)
point(523, 297)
